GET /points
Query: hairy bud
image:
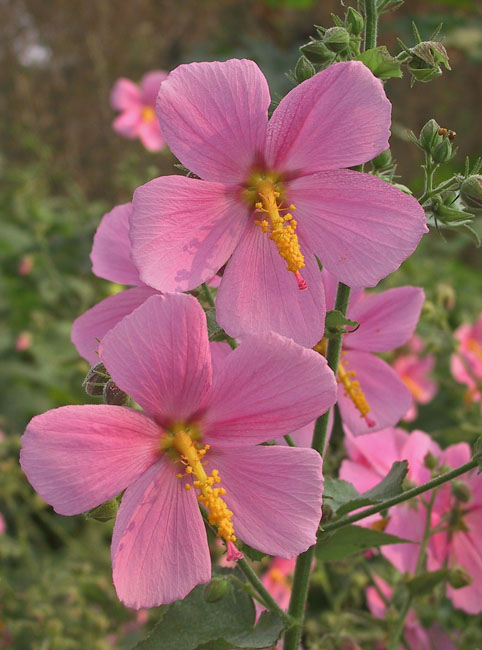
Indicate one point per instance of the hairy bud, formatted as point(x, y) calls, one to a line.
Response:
point(429, 136)
point(459, 577)
point(336, 39)
point(304, 69)
point(443, 151)
point(461, 491)
point(317, 52)
point(471, 193)
point(216, 589)
point(382, 160)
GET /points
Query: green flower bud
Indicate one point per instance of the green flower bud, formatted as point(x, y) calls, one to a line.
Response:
point(354, 21)
point(443, 151)
point(336, 39)
point(429, 136)
point(95, 379)
point(461, 491)
point(105, 512)
point(459, 577)
point(471, 193)
point(114, 395)
point(430, 461)
point(426, 59)
point(216, 589)
point(317, 52)
point(304, 69)
point(382, 160)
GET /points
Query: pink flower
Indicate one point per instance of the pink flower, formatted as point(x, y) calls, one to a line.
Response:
point(111, 260)
point(197, 430)
point(214, 117)
point(371, 396)
point(3, 526)
point(414, 371)
point(467, 363)
point(24, 341)
point(278, 579)
point(136, 104)
point(25, 265)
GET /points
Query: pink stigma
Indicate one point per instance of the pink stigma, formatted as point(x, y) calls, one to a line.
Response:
point(371, 423)
point(301, 281)
point(233, 554)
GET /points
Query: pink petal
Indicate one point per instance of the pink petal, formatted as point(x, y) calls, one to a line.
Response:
point(259, 294)
point(386, 394)
point(125, 95)
point(219, 351)
point(159, 355)
point(456, 455)
point(275, 495)
point(150, 84)
point(465, 554)
point(407, 522)
point(268, 387)
point(360, 227)
point(89, 328)
point(150, 135)
point(338, 118)
point(77, 457)
point(363, 478)
point(331, 285)
point(110, 254)
point(418, 445)
point(159, 547)
point(376, 450)
point(183, 230)
point(128, 122)
point(387, 320)
point(214, 116)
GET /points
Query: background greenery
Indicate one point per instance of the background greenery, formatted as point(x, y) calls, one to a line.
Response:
point(62, 168)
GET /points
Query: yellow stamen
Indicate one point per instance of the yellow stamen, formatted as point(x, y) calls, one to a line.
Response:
point(413, 387)
point(219, 514)
point(148, 114)
point(278, 577)
point(281, 228)
point(475, 348)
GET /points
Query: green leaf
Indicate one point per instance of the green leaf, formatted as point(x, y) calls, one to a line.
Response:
point(336, 322)
point(352, 539)
point(426, 582)
point(193, 622)
point(381, 62)
point(252, 553)
point(338, 492)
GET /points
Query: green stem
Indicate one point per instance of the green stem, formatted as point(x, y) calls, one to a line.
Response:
point(289, 441)
point(405, 496)
point(261, 589)
point(207, 294)
point(304, 562)
point(371, 22)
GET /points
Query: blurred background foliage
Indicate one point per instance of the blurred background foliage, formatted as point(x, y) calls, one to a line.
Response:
point(62, 167)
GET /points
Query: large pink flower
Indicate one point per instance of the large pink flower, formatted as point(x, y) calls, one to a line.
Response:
point(111, 260)
point(467, 363)
point(214, 117)
point(136, 104)
point(371, 396)
point(196, 430)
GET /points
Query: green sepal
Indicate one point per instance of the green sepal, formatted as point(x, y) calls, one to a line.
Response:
point(382, 64)
point(105, 512)
point(336, 323)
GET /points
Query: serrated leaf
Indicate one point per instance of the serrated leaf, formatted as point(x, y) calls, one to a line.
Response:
point(337, 492)
point(193, 623)
point(336, 322)
point(426, 582)
point(382, 64)
point(353, 539)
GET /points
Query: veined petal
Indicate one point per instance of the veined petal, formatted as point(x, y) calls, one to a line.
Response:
point(159, 355)
point(387, 320)
point(159, 547)
point(125, 95)
point(110, 255)
point(267, 387)
point(77, 457)
point(378, 451)
point(338, 118)
point(331, 286)
point(150, 84)
point(214, 117)
point(360, 227)
point(259, 294)
point(387, 396)
point(183, 230)
point(468, 555)
point(275, 495)
point(408, 522)
point(89, 328)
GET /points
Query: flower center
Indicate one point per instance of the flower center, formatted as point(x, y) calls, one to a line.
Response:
point(413, 387)
point(278, 577)
point(148, 114)
point(191, 455)
point(352, 387)
point(281, 228)
point(475, 348)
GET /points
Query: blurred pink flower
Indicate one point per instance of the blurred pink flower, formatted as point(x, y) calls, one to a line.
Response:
point(24, 341)
point(78, 457)
point(214, 117)
point(136, 104)
point(25, 265)
point(414, 371)
point(371, 395)
point(466, 364)
point(278, 578)
point(2, 525)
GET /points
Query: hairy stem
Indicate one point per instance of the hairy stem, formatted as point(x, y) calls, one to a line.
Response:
point(371, 24)
point(261, 589)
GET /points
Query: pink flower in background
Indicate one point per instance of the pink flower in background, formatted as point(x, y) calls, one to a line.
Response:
point(254, 174)
point(414, 371)
point(467, 364)
point(136, 104)
point(24, 341)
point(25, 265)
point(418, 637)
point(371, 396)
point(197, 431)
point(278, 578)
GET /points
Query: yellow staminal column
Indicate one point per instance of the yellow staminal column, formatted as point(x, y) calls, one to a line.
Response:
point(148, 114)
point(281, 229)
point(354, 391)
point(475, 348)
point(413, 387)
point(219, 514)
